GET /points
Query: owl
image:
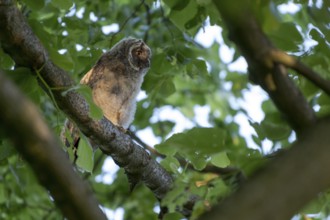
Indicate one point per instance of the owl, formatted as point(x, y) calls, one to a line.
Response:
point(115, 81)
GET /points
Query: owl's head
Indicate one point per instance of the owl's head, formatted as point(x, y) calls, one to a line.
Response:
point(136, 52)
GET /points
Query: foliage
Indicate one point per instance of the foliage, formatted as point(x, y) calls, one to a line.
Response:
point(184, 74)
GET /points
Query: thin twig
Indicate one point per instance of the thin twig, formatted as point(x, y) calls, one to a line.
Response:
point(148, 18)
point(122, 26)
point(184, 163)
point(299, 67)
point(144, 145)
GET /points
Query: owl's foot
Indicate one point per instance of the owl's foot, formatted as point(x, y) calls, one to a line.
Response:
point(122, 129)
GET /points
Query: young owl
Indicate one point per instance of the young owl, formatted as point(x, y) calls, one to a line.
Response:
point(115, 81)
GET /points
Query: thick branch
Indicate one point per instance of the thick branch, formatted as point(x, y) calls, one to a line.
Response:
point(18, 40)
point(263, 68)
point(294, 178)
point(286, 184)
point(33, 139)
point(299, 67)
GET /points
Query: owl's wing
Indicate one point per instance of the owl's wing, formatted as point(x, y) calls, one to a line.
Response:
point(86, 78)
point(92, 76)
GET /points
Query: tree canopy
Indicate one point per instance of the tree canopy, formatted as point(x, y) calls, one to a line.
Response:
point(276, 169)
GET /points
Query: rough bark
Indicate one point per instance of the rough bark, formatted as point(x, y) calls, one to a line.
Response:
point(37, 144)
point(18, 40)
point(285, 185)
point(288, 182)
point(278, 181)
point(265, 69)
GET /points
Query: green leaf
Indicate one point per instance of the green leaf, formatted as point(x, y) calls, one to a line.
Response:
point(272, 127)
point(176, 5)
point(6, 150)
point(319, 204)
point(3, 194)
point(176, 197)
point(62, 4)
point(268, 107)
point(197, 67)
point(94, 111)
point(35, 4)
point(27, 82)
point(85, 154)
point(324, 111)
point(163, 128)
point(199, 208)
point(63, 60)
point(163, 87)
point(195, 145)
point(281, 39)
point(166, 149)
point(5, 60)
point(186, 14)
point(173, 216)
point(170, 163)
point(199, 162)
point(219, 189)
point(220, 159)
point(203, 140)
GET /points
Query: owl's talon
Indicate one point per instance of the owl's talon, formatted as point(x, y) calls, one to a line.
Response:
point(122, 129)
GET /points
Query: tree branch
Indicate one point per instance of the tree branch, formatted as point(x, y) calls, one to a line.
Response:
point(286, 184)
point(41, 149)
point(264, 70)
point(299, 67)
point(18, 40)
point(294, 178)
point(230, 171)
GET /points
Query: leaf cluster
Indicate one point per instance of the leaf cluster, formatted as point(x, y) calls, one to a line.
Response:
point(184, 75)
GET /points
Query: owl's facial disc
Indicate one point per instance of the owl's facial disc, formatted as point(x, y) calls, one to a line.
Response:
point(140, 54)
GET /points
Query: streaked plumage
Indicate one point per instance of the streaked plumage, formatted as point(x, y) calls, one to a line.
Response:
point(115, 81)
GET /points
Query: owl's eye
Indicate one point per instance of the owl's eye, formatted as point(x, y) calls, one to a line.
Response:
point(138, 52)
